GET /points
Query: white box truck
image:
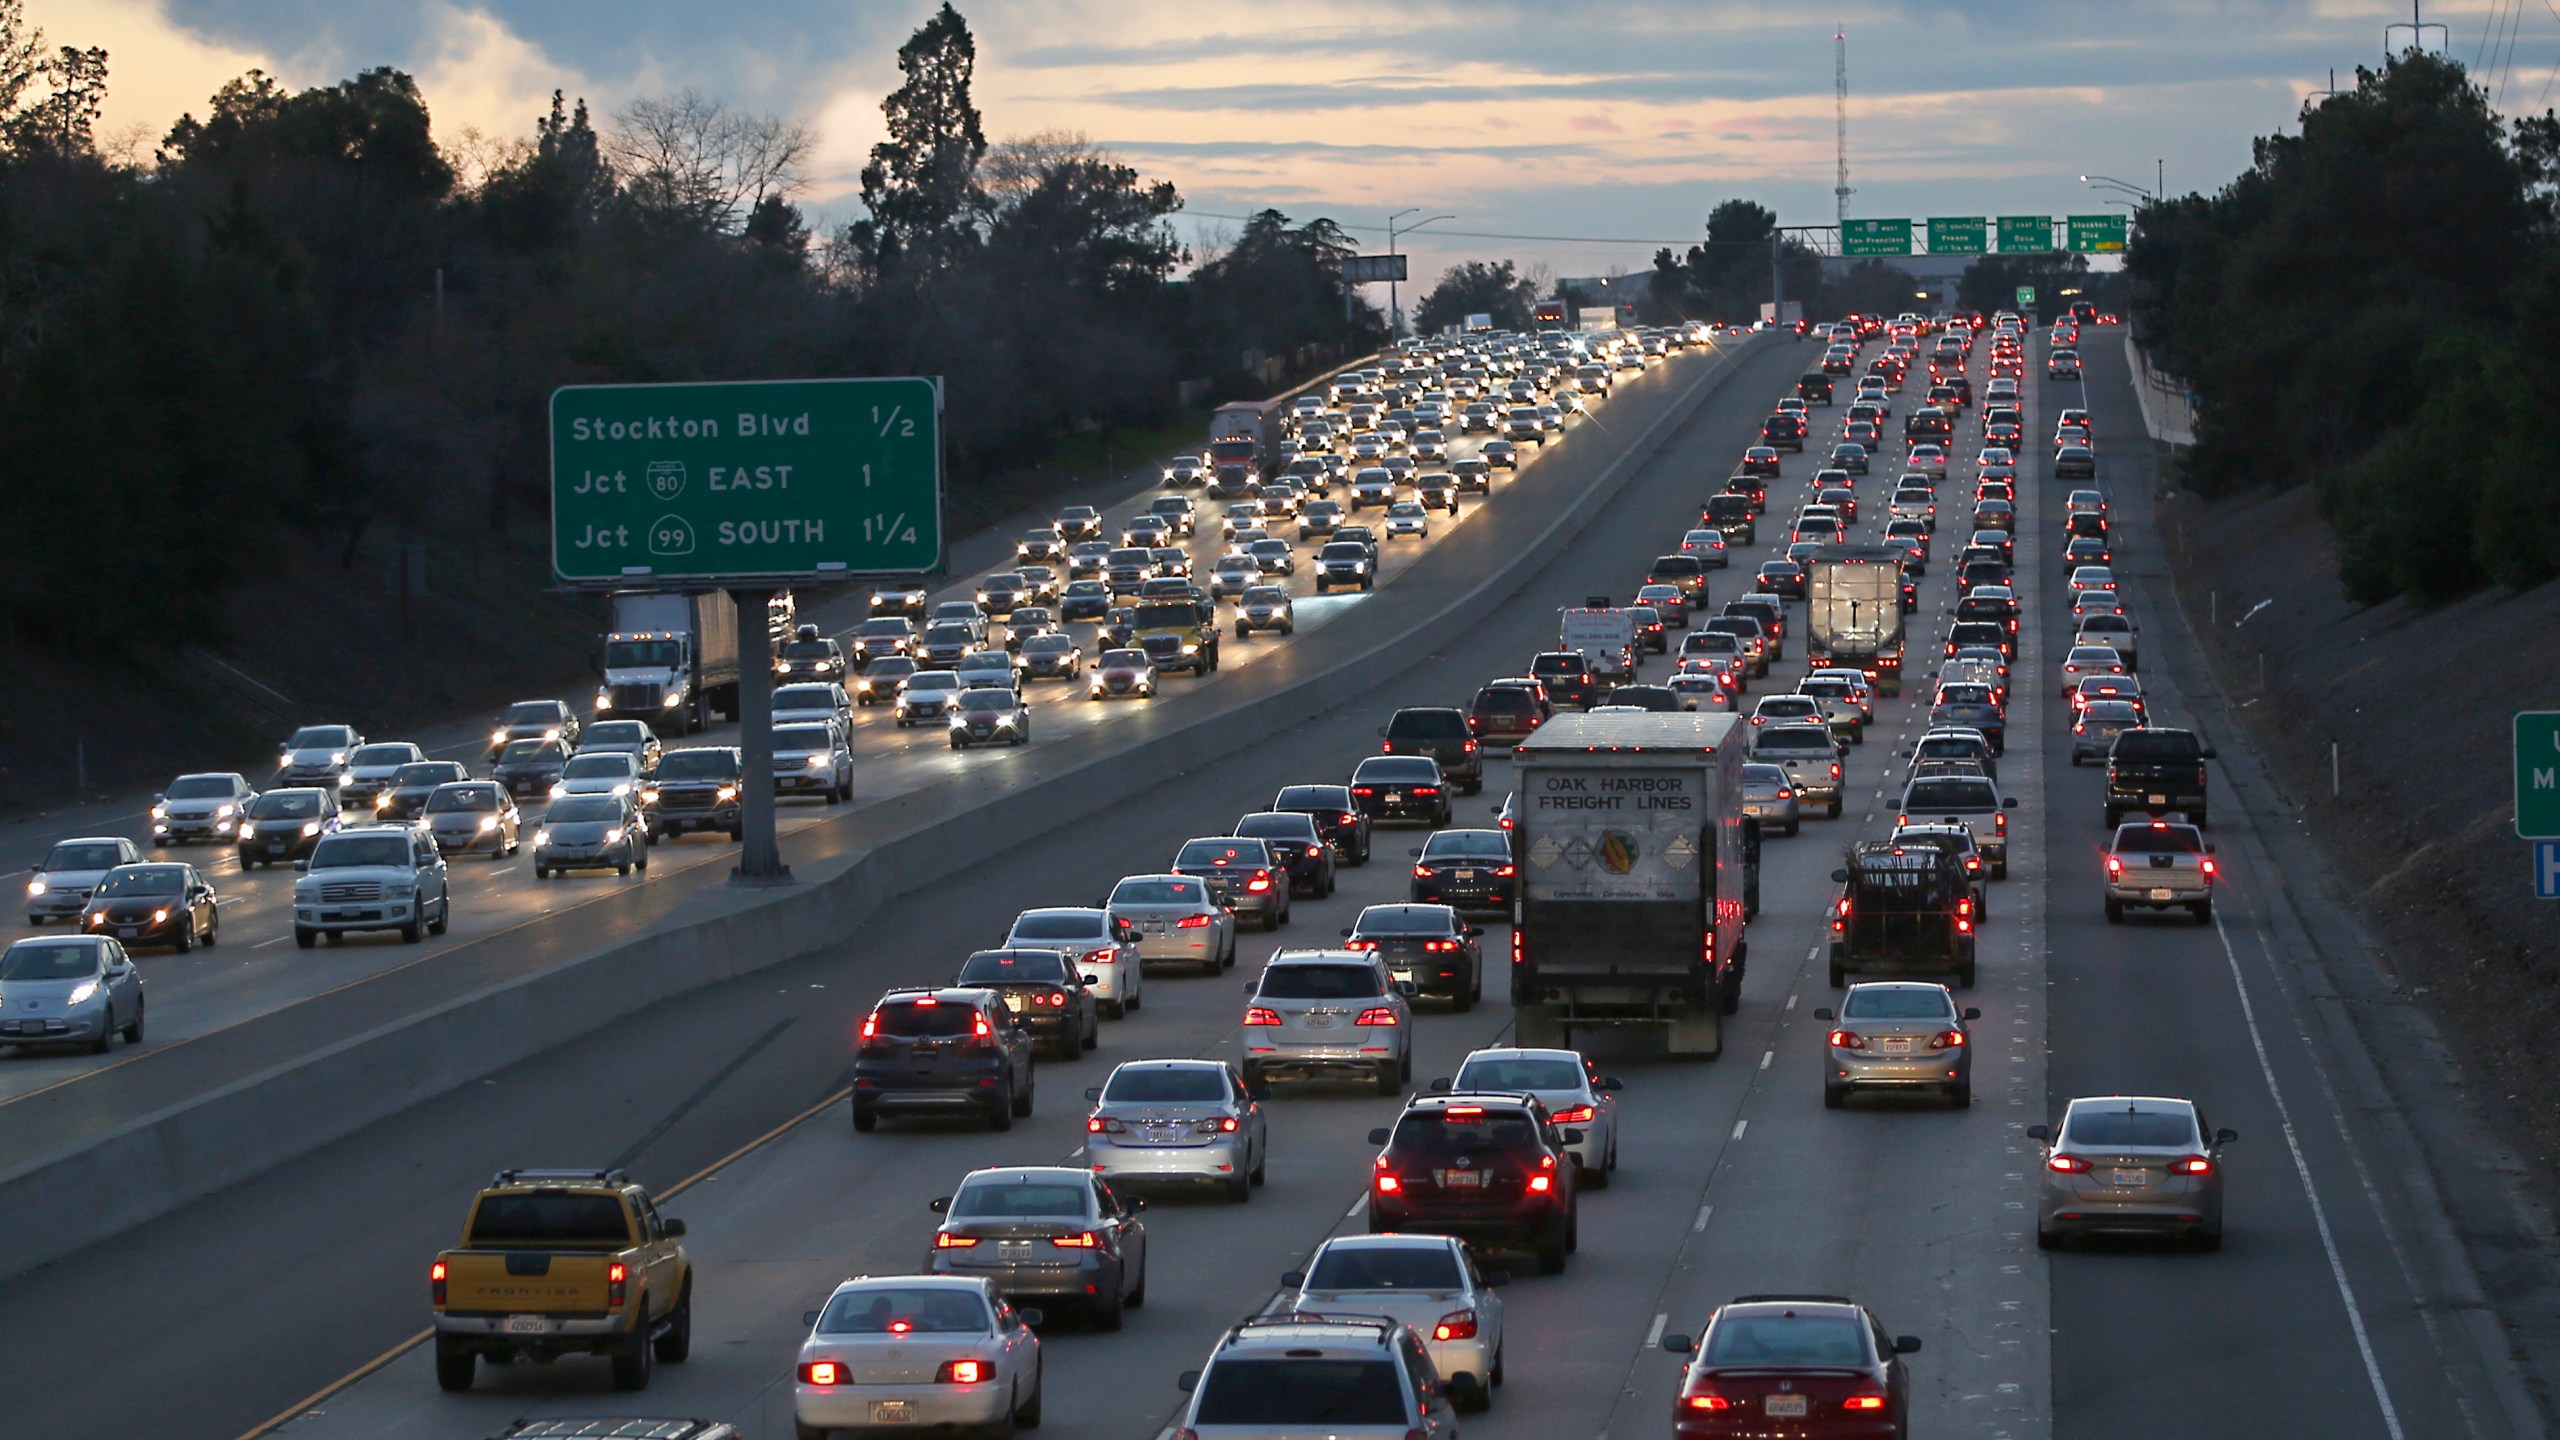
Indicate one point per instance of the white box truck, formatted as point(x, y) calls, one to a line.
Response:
point(1853, 612)
point(669, 659)
point(1606, 640)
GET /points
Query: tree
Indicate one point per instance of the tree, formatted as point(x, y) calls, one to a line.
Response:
point(1992, 283)
point(65, 121)
point(917, 188)
point(691, 164)
point(1081, 216)
point(557, 188)
point(1476, 288)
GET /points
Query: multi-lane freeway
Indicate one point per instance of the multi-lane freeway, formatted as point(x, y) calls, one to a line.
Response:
point(2363, 1289)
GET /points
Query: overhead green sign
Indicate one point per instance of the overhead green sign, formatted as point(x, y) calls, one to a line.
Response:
point(1958, 235)
point(2538, 775)
point(758, 481)
point(2026, 296)
point(2026, 234)
point(2097, 233)
point(1875, 237)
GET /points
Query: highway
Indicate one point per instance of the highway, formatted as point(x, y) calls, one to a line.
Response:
point(2340, 1306)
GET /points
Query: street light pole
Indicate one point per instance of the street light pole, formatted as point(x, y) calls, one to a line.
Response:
point(1395, 309)
point(2109, 182)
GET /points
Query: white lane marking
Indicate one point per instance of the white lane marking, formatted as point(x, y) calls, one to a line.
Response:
point(2319, 1212)
point(1699, 1225)
point(1765, 1057)
point(1356, 1207)
point(1653, 1336)
point(1739, 1126)
point(1791, 1000)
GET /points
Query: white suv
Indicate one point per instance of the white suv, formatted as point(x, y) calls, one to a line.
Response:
point(1349, 1377)
point(371, 877)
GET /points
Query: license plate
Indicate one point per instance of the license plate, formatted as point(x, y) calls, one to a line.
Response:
point(1013, 1247)
point(277, 847)
point(526, 1325)
point(1469, 875)
point(893, 1412)
point(1013, 1003)
point(1156, 927)
point(1461, 1179)
point(339, 915)
point(1896, 1044)
point(2159, 799)
point(1784, 1404)
point(127, 932)
point(2160, 894)
point(1319, 1022)
point(1395, 797)
point(2129, 1179)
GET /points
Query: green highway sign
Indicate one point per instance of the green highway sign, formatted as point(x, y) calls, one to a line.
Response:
point(2538, 775)
point(751, 481)
point(1956, 235)
point(2026, 295)
point(1875, 237)
point(2026, 234)
point(2097, 232)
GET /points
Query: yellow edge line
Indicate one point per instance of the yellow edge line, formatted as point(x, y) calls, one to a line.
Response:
point(378, 1362)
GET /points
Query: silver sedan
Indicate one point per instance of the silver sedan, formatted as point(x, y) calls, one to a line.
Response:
point(917, 1352)
point(1176, 921)
point(1898, 1035)
point(1194, 1121)
point(2130, 1163)
point(1431, 1283)
point(1770, 797)
point(1576, 1095)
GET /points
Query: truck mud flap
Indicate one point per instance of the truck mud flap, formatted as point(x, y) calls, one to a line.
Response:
point(1697, 1032)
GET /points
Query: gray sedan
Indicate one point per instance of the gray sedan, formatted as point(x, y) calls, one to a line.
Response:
point(2130, 1163)
point(69, 990)
point(591, 832)
point(1176, 921)
point(1898, 1035)
point(1050, 1234)
point(1770, 798)
point(1178, 1120)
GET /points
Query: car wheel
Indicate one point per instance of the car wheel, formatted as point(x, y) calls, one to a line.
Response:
point(677, 1342)
point(636, 1361)
point(2047, 1239)
point(1389, 1080)
point(187, 936)
point(1114, 1010)
point(2203, 909)
point(1239, 1189)
point(1000, 1114)
point(2209, 1241)
point(1261, 1162)
point(1834, 1095)
point(1839, 976)
point(1028, 1417)
point(1960, 1095)
point(305, 939)
point(543, 872)
point(2115, 911)
point(454, 1365)
point(1834, 811)
point(865, 1119)
point(1030, 1093)
point(1551, 1256)
point(412, 933)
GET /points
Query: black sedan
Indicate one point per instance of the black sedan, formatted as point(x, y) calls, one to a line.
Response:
point(1339, 819)
point(1401, 787)
point(1427, 945)
point(1466, 870)
point(154, 904)
point(528, 767)
point(410, 786)
point(1782, 578)
point(1298, 845)
point(1045, 991)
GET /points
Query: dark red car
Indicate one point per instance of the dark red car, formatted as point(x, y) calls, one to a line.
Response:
point(1808, 1367)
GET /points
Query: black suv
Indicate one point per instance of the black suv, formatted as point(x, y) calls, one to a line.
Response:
point(1735, 517)
point(1440, 732)
point(1428, 944)
point(1045, 991)
point(1784, 430)
point(698, 789)
point(945, 1052)
point(1489, 1169)
point(1340, 820)
point(2157, 770)
point(1567, 677)
point(1297, 844)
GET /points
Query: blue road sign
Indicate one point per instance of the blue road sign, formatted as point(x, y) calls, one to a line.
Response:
point(2546, 869)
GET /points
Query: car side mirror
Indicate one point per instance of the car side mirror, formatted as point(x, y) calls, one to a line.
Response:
point(300, 866)
point(1416, 853)
point(1251, 986)
point(1407, 989)
point(1293, 1278)
point(1135, 1203)
point(1824, 1013)
point(2206, 752)
point(1259, 1090)
point(1439, 1085)
point(2225, 1137)
point(939, 1205)
point(1575, 1135)
point(1494, 1279)
point(2039, 1132)
point(1906, 1344)
point(1463, 1385)
point(1378, 1136)
point(1093, 1092)
point(1189, 1382)
point(1090, 979)
point(1677, 1344)
point(1609, 1083)
point(1839, 877)
point(809, 1317)
point(2009, 803)
point(1029, 1316)
point(674, 1228)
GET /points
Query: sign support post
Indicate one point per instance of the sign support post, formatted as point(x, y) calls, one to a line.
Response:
point(760, 847)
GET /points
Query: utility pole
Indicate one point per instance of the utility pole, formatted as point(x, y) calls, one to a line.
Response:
point(1395, 311)
point(2417, 30)
point(1840, 117)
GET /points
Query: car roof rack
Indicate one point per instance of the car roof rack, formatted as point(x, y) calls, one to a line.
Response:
point(529, 1175)
point(1784, 1299)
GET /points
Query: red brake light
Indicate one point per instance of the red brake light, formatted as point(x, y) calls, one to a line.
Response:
point(1843, 1040)
point(615, 1287)
point(2208, 866)
point(1574, 1115)
point(1349, 819)
point(1193, 922)
point(2067, 1165)
point(1261, 1015)
point(871, 1026)
point(979, 1028)
point(1947, 1040)
point(1260, 882)
point(1863, 1403)
point(2191, 1165)
point(945, 1240)
point(1541, 1184)
point(1080, 1240)
point(1456, 1325)
point(435, 1282)
point(1707, 1400)
point(1104, 1125)
point(1426, 789)
point(821, 1372)
point(1377, 1015)
point(1359, 944)
point(962, 1372)
point(1358, 790)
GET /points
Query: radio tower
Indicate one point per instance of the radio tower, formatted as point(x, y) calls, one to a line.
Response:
point(1840, 92)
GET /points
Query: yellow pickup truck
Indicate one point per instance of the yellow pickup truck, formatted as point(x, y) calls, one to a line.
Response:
point(563, 1262)
point(1177, 634)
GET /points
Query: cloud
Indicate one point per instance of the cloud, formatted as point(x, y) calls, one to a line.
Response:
point(1594, 124)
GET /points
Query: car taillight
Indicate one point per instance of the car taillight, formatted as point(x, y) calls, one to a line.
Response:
point(963, 1372)
point(616, 1284)
point(1573, 1115)
point(1426, 789)
point(1194, 922)
point(1360, 945)
point(1080, 1240)
point(2067, 1165)
point(2000, 824)
point(435, 1283)
point(1847, 1040)
point(1387, 1184)
point(2208, 869)
point(871, 1026)
point(1437, 946)
point(979, 1029)
point(1350, 819)
point(1835, 769)
point(1223, 1125)
point(1868, 1402)
point(2191, 1165)
point(1505, 872)
point(944, 1240)
point(1358, 790)
point(1260, 882)
point(1947, 1040)
point(1104, 1125)
point(1471, 745)
point(821, 1372)
point(1706, 1400)
point(1261, 1015)
point(1377, 1015)
point(2115, 867)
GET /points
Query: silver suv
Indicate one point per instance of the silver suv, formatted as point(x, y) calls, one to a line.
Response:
point(371, 877)
point(1329, 1012)
point(2163, 864)
point(1347, 1377)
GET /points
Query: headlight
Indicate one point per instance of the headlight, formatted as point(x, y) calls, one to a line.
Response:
point(381, 801)
point(225, 811)
point(648, 797)
point(160, 917)
point(1189, 648)
point(541, 838)
point(862, 687)
point(338, 758)
point(781, 667)
point(159, 812)
point(959, 721)
point(399, 892)
point(558, 789)
point(488, 823)
point(622, 789)
point(728, 792)
point(36, 887)
point(309, 828)
point(497, 737)
point(674, 699)
point(603, 701)
point(85, 992)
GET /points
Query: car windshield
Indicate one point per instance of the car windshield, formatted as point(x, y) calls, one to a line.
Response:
point(50, 960)
point(2150, 1129)
point(987, 700)
point(951, 632)
point(286, 805)
point(1964, 694)
point(583, 809)
point(2154, 745)
point(355, 850)
point(1319, 982)
point(1276, 826)
point(905, 1310)
point(199, 787)
point(528, 750)
point(1461, 1129)
point(801, 738)
point(1020, 1198)
point(382, 755)
point(697, 765)
point(1399, 771)
point(427, 772)
point(924, 680)
point(549, 1219)
point(643, 654)
point(1014, 967)
point(450, 798)
point(2160, 839)
point(1300, 1391)
point(321, 737)
point(1047, 645)
point(805, 697)
point(886, 628)
point(617, 763)
point(533, 712)
point(1158, 892)
point(1793, 737)
point(1189, 1085)
point(1787, 1340)
point(1896, 1002)
point(1950, 795)
point(87, 856)
point(1407, 920)
point(1123, 660)
point(616, 732)
point(1219, 854)
point(1479, 844)
point(1427, 725)
point(1385, 1267)
point(1087, 926)
point(143, 880)
point(1514, 1074)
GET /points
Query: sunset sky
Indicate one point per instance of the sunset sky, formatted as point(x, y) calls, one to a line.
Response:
point(1621, 123)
